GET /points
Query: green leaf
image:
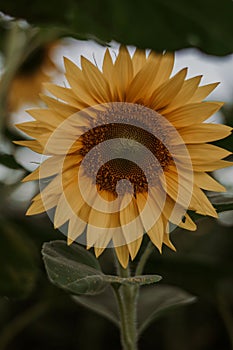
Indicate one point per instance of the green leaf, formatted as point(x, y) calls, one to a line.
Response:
point(74, 252)
point(166, 24)
point(9, 161)
point(157, 300)
point(103, 304)
point(136, 280)
point(222, 202)
point(73, 268)
point(77, 271)
point(18, 271)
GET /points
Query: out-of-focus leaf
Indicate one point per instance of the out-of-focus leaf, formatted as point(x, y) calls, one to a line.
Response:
point(222, 202)
point(200, 274)
point(18, 271)
point(9, 161)
point(103, 304)
point(157, 24)
point(157, 300)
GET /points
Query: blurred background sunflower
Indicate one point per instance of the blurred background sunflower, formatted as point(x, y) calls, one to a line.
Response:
point(27, 83)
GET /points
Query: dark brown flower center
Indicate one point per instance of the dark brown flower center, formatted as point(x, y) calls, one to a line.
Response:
point(137, 155)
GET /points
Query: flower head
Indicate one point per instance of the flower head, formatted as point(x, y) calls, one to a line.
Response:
point(128, 151)
point(28, 81)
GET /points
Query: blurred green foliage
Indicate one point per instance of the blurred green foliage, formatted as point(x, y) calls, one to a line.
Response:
point(156, 24)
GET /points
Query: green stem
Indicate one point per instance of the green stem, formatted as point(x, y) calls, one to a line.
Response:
point(126, 297)
point(147, 252)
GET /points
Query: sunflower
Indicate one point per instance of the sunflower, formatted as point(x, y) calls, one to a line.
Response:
point(127, 151)
point(28, 81)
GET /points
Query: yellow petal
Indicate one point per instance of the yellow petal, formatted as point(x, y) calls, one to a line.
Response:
point(204, 133)
point(149, 210)
point(187, 91)
point(64, 94)
point(99, 214)
point(47, 116)
point(202, 92)
point(205, 153)
point(32, 144)
point(108, 73)
point(123, 72)
point(94, 233)
point(138, 60)
point(52, 166)
point(107, 65)
point(123, 255)
point(192, 113)
point(118, 238)
point(166, 240)
point(130, 221)
point(172, 212)
point(212, 166)
point(177, 187)
point(68, 205)
point(59, 143)
point(165, 69)
point(190, 196)
point(75, 229)
point(40, 205)
point(55, 186)
point(62, 108)
point(206, 182)
point(49, 169)
point(97, 84)
point(167, 91)
point(33, 129)
point(142, 83)
point(187, 223)
point(84, 212)
point(98, 218)
point(134, 247)
point(156, 233)
point(205, 207)
point(98, 251)
point(48, 197)
point(102, 242)
point(79, 84)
